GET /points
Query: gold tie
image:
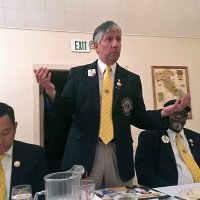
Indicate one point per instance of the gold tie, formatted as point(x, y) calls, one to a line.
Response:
point(2, 181)
point(188, 159)
point(106, 124)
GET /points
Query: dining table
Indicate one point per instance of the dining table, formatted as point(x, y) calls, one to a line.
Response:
point(172, 192)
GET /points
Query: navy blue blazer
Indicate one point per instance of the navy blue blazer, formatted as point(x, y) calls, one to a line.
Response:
point(81, 99)
point(154, 160)
point(32, 168)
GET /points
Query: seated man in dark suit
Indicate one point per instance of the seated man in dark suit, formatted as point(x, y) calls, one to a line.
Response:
point(159, 161)
point(22, 163)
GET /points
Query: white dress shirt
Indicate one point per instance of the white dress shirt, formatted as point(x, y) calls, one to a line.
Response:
point(7, 167)
point(184, 175)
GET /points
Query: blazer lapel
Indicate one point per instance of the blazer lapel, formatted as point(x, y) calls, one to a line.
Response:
point(191, 141)
point(194, 147)
point(16, 165)
point(119, 83)
point(167, 145)
point(93, 85)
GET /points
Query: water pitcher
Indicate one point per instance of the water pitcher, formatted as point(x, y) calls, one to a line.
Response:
point(62, 185)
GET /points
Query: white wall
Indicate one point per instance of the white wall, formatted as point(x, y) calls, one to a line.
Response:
point(21, 50)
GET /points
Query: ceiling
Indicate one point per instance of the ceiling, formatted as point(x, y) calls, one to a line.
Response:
point(170, 18)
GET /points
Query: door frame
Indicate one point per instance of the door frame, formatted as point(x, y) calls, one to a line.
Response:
point(38, 102)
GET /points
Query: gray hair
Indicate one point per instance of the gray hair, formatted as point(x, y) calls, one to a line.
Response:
point(104, 28)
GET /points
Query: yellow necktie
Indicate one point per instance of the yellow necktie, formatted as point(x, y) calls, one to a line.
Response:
point(106, 124)
point(2, 181)
point(188, 159)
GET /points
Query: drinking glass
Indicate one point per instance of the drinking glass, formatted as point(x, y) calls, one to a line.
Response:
point(21, 192)
point(87, 190)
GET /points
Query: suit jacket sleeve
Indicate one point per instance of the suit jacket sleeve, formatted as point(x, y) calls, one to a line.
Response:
point(62, 106)
point(150, 119)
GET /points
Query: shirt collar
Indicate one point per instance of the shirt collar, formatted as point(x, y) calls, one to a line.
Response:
point(9, 152)
point(173, 134)
point(102, 66)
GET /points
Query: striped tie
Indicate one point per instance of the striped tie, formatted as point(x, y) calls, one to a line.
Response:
point(106, 124)
point(188, 159)
point(2, 181)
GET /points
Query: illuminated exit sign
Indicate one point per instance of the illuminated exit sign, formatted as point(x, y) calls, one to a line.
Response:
point(80, 45)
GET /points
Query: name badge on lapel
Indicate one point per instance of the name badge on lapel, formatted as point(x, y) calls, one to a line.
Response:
point(165, 139)
point(91, 72)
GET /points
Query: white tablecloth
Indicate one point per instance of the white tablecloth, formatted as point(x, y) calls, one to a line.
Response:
point(175, 190)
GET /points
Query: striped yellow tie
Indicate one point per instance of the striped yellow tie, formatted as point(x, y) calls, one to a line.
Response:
point(2, 181)
point(106, 124)
point(188, 159)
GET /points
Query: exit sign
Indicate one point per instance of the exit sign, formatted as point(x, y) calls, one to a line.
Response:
point(80, 45)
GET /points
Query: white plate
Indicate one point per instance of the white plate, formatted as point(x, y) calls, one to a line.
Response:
point(191, 194)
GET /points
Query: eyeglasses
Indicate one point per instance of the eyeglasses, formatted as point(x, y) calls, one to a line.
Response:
point(180, 114)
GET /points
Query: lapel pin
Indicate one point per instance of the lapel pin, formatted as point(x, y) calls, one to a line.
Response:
point(118, 84)
point(191, 142)
point(91, 72)
point(165, 139)
point(17, 163)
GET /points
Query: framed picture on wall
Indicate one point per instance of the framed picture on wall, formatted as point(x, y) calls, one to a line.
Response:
point(169, 82)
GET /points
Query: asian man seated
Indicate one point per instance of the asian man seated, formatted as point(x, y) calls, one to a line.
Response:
point(20, 163)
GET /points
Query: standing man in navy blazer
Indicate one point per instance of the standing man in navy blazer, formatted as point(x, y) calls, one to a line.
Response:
point(111, 164)
point(22, 163)
point(158, 161)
